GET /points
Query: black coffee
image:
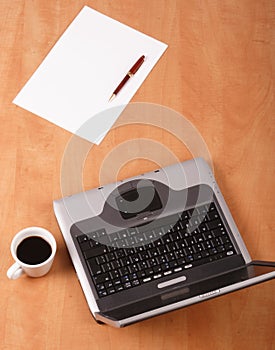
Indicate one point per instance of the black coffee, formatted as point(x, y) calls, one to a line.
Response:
point(33, 250)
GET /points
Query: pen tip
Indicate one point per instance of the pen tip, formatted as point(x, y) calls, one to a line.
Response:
point(112, 97)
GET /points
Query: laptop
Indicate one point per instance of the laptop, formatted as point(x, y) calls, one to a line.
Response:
point(154, 243)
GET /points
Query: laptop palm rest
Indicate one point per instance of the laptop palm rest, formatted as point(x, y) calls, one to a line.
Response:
point(180, 295)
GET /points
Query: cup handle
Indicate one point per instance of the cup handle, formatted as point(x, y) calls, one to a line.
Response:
point(15, 271)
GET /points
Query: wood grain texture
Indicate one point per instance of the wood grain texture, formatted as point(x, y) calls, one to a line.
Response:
point(219, 73)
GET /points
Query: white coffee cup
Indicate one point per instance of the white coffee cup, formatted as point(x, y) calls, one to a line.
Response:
point(32, 269)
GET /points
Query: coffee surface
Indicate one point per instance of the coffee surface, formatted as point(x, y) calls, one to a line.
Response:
point(33, 250)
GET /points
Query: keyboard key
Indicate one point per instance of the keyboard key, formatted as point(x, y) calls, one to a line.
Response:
point(125, 261)
point(204, 253)
point(106, 267)
point(102, 293)
point(82, 238)
point(207, 235)
point(147, 279)
point(125, 279)
point(167, 229)
point(141, 274)
point(166, 239)
point(173, 263)
point(179, 254)
point(85, 245)
point(215, 242)
point(199, 238)
point(157, 269)
point(114, 274)
point(149, 236)
point(189, 258)
point(108, 284)
point(152, 262)
point(159, 233)
point(218, 231)
point(177, 226)
point(201, 210)
point(123, 271)
point(161, 259)
point(181, 261)
point(185, 225)
point(197, 256)
point(100, 259)
point(139, 249)
point(165, 266)
point(92, 235)
point(104, 277)
point(91, 253)
point(212, 215)
point(212, 251)
point(197, 248)
point(133, 276)
point(94, 268)
point(135, 258)
point(171, 246)
point(111, 290)
point(196, 220)
point(154, 252)
point(194, 231)
point(185, 216)
point(127, 285)
point(170, 256)
point(228, 246)
point(142, 265)
point(162, 250)
point(117, 282)
point(213, 224)
point(190, 241)
point(134, 250)
point(100, 287)
point(115, 264)
point(188, 266)
point(119, 288)
point(207, 245)
point(175, 236)
point(203, 228)
point(134, 268)
point(149, 272)
point(144, 255)
point(220, 248)
point(110, 257)
point(224, 239)
point(211, 207)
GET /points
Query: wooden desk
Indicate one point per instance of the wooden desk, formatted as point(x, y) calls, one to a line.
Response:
point(219, 73)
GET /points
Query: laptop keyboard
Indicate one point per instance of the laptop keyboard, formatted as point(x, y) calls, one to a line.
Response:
point(132, 257)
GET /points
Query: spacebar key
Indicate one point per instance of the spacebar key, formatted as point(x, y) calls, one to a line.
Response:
point(91, 253)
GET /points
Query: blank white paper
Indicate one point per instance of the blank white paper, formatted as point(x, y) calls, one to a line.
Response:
point(76, 79)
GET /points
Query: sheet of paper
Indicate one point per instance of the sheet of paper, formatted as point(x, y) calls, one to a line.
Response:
point(76, 79)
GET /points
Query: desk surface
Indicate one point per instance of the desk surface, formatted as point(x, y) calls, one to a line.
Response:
point(219, 73)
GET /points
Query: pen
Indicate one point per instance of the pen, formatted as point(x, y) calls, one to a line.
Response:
point(131, 72)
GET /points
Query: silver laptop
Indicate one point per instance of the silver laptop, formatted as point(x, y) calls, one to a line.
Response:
point(154, 243)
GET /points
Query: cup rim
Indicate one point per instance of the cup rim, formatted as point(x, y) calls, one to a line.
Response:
point(36, 232)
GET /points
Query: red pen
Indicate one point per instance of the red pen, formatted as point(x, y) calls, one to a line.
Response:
point(129, 75)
